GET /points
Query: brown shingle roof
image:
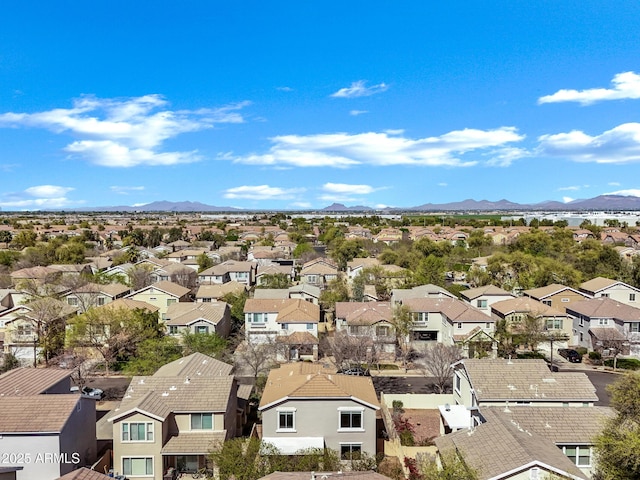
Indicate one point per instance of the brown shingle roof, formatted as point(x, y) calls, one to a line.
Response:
point(219, 290)
point(196, 364)
point(525, 305)
point(30, 381)
point(36, 413)
point(548, 290)
point(131, 304)
point(184, 313)
point(289, 310)
point(596, 284)
point(488, 290)
point(364, 313)
point(454, 309)
point(604, 307)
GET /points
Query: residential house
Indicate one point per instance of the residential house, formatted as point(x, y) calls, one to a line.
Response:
point(35, 381)
point(95, 295)
point(215, 292)
point(297, 395)
point(450, 321)
point(340, 475)
point(613, 289)
point(319, 272)
point(556, 295)
point(25, 326)
point(483, 297)
point(161, 295)
point(517, 311)
point(176, 273)
point(200, 317)
point(398, 295)
point(47, 435)
point(265, 271)
point(372, 321)
point(230, 270)
point(606, 326)
point(303, 291)
point(170, 421)
point(83, 473)
point(292, 323)
point(357, 265)
point(486, 382)
point(499, 449)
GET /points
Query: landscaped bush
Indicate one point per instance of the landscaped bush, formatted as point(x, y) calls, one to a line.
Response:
point(581, 350)
point(624, 363)
point(595, 357)
point(531, 355)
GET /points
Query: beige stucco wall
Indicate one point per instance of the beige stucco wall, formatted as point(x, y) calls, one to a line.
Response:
point(138, 449)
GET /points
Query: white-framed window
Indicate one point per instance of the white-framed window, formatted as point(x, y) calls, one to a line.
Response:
point(547, 302)
point(284, 326)
point(202, 329)
point(309, 326)
point(554, 323)
point(606, 295)
point(382, 331)
point(137, 466)
point(634, 327)
point(171, 301)
point(72, 301)
point(481, 303)
point(578, 454)
point(25, 330)
point(351, 419)
point(487, 325)
point(459, 325)
point(632, 297)
point(137, 431)
point(603, 321)
point(201, 421)
point(286, 420)
point(257, 317)
point(457, 382)
point(173, 329)
point(350, 451)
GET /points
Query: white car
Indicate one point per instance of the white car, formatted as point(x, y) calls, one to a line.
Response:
point(89, 392)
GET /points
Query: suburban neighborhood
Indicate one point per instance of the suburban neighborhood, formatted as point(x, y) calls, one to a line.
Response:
point(162, 347)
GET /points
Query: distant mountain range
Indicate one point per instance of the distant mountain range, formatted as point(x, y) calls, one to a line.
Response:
point(599, 203)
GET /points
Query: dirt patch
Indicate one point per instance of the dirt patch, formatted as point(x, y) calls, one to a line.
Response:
point(425, 422)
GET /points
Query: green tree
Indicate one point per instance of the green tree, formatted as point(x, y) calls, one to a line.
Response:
point(151, 354)
point(450, 467)
point(403, 325)
point(236, 301)
point(618, 444)
point(204, 262)
point(25, 238)
point(302, 249)
point(275, 280)
point(210, 344)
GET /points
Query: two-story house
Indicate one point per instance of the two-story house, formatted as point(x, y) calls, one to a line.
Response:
point(297, 395)
point(161, 295)
point(603, 324)
point(200, 317)
point(483, 297)
point(216, 291)
point(613, 289)
point(371, 320)
point(95, 295)
point(319, 272)
point(229, 271)
point(556, 295)
point(171, 420)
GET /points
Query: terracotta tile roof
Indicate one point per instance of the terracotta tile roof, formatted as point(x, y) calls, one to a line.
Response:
point(604, 307)
point(526, 380)
point(364, 313)
point(559, 425)
point(487, 290)
point(454, 309)
point(219, 290)
point(517, 448)
point(525, 305)
point(193, 443)
point(296, 380)
point(84, 473)
point(366, 475)
point(196, 364)
point(131, 304)
point(185, 313)
point(36, 413)
point(549, 290)
point(30, 381)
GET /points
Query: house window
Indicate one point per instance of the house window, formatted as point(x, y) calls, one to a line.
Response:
point(547, 302)
point(171, 301)
point(634, 327)
point(284, 326)
point(603, 321)
point(101, 301)
point(351, 419)
point(25, 330)
point(187, 463)
point(137, 432)
point(382, 331)
point(173, 329)
point(153, 299)
point(309, 326)
point(349, 451)
point(578, 454)
point(312, 279)
point(72, 301)
point(581, 337)
point(487, 325)
point(632, 297)
point(554, 324)
point(138, 466)
point(457, 383)
point(481, 303)
point(459, 324)
point(201, 421)
point(606, 295)
point(581, 321)
point(256, 318)
point(202, 329)
point(286, 421)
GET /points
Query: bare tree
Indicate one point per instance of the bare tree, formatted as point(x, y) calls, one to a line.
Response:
point(140, 277)
point(403, 324)
point(258, 356)
point(348, 349)
point(437, 360)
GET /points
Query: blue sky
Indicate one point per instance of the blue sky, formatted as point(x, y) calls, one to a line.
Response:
point(299, 104)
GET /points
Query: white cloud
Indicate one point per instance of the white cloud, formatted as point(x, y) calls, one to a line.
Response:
point(355, 113)
point(262, 192)
point(504, 157)
point(624, 85)
point(38, 197)
point(571, 188)
point(125, 132)
point(567, 199)
point(618, 145)
point(349, 189)
point(634, 192)
point(360, 89)
point(343, 150)
point(443, 184)
point(285, 89)
point(614, 184)
point(125, 190)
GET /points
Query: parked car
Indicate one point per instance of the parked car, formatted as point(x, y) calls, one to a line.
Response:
point(570, 354)
point(356, 371)
point(89, 392)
